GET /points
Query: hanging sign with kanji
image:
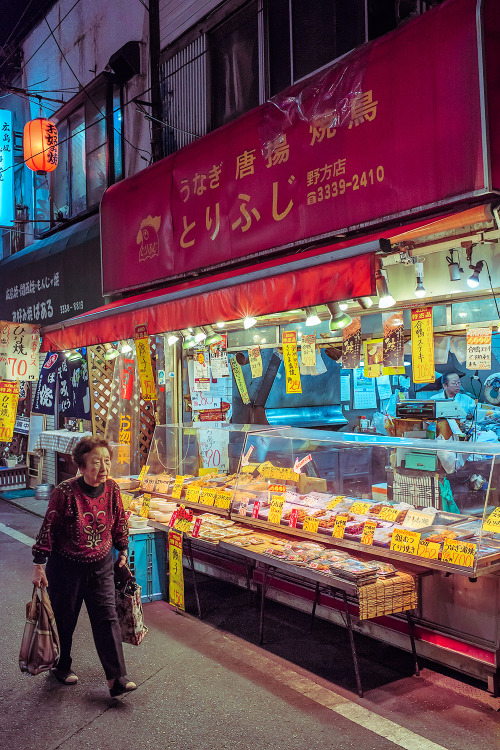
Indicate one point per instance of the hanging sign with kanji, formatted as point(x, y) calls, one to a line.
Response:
point(290, 357)
point(144, 366)
point(19, 347)
point(255, 361)
point(176, 573)
point(308, 349)
point(239, 379)
point(422, 345)
point(351, 345)
point(9, 397)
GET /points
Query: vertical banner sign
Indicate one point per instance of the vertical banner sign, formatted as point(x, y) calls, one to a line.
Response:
point(308, 349)
point(9, 396)
point(19, 346)
point(6, 170)
point(201, 368)
point(351, 345)
point(393, 341)
point(176, 573)
point(479, 349)
point(373, 355)
point(144, 366)
point(255, 361)
point(218, 358)
point(239, 380)
point(422, 345)
point(293, 384)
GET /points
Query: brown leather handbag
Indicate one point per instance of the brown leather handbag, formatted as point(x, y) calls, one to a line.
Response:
point(40, 647)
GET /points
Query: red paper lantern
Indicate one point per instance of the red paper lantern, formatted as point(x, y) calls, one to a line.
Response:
point(40, 145)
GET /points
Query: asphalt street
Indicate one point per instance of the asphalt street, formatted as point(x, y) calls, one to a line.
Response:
point(208, 685)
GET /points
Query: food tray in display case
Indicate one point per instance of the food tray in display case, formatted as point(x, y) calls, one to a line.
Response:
point(355, 491)
point(195, 464)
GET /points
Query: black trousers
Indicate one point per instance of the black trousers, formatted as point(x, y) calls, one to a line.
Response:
point(71, 584)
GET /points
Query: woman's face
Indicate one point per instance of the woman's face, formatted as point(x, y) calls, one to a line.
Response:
point(97, 466)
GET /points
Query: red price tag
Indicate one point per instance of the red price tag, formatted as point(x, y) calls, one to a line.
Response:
point(196, 527)
point(256, 508)
point(173, 518)
point(293, 518)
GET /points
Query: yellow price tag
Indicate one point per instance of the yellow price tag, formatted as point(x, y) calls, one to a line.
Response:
point(492, 523)
point(177, 488)
point(207, 497)
point(388, 514)
point(126, 499)
point(276, 509)
point(248, 468)
point(208, 472)
point(459, 553)
point(183, 520)
point(162, 486)
point(339, 528)
point(405, 541)
point(148, 483)
point(175, 571)
point(223, 499)
point(336, 500)
point(360, 509)
point(310, 524)
point(144, 512)
point(429, 550)
point(265, 467)
point(143, 473)
point(417, 519)
point(368, 532)
point(193, 494)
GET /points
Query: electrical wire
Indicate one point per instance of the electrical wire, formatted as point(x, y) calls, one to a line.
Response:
point(17, 24)
point(491, 287)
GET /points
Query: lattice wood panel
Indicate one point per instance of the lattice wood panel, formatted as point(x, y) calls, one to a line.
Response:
point(100, 378)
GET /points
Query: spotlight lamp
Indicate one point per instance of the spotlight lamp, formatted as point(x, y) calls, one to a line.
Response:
point(419, 273)
point(249, 322)
point(213, 337)
point(110, 352)
point(473, 281)
point(199, 334)
point(454, 267)
point(312, 318)
point(385, 298)
point(125, 348)
point(172, 339)
point(339, 319)
point(188, 342)
point(364, 302)
point(74, 355)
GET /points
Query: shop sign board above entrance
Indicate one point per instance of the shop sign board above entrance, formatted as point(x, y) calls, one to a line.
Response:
point(373, 136)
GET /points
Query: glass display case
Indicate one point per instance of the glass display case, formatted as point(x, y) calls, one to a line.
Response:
point(430, 502)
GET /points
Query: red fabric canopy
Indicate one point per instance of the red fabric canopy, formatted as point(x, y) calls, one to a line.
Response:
point(330, 281)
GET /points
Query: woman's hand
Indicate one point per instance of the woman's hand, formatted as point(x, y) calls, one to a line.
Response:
point(39, 577)
point(122, 560)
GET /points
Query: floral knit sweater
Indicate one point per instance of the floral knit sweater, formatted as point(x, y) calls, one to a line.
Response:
point(80, 527)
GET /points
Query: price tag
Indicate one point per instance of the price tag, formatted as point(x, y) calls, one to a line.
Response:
point(175, 571)
point(126, 499)
point(143, 473)
point(368, 532)
point(276, 509)
point(336, 500)
point(173, 519)
point(249, 468)
point(360, 509)
point(429, 550)
point(183, 519)
point(193, 494)
point(492, 523)
point(223, 499)
point(405, 541)
point(310, 524)
point(268, 471)
point(388, 514)
point(263, 468)
point(177, 488)
point(162, 486)
point(417, 519)
point(293, 518)
point(299, 464)
point(242, 510)
point(144, 511)
point(459, 553)
point(148, 483)
point(196, 528)
point(255, 510)
point(207, 497)
point(339, 528)
point(273, 489)
point(208, 472)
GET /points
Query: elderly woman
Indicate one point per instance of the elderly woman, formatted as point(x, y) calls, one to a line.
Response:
point(84, 519)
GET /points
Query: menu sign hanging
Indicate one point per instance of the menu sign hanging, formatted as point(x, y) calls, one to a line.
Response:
point(422, 345)
point(218, 358)
point(293, 384)
point(393, 341)
point(144, 366)
point(239, 379)
point(19, 347)
point(351, 345)
point(176, 573)
point(308, 349)
point(255, 361)
point(201, 369)
point(479, 349)
point(9, 397)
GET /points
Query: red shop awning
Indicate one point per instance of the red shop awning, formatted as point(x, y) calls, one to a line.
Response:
point(270, 288)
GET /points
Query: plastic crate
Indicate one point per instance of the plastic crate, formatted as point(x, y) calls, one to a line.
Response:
point(146, 559)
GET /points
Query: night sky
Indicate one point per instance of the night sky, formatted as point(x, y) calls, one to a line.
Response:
point(12, 10)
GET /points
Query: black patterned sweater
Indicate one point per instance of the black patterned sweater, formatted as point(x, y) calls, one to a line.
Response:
point(81, 527)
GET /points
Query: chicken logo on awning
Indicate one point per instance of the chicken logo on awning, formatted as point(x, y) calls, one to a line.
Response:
point(147, 237)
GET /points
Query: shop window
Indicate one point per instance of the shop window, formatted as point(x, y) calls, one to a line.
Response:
point(90, 150)
point(252, 337)
point(234, 65)
point(476, 311)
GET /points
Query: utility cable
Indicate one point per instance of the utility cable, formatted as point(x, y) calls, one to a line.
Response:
point(17, 24)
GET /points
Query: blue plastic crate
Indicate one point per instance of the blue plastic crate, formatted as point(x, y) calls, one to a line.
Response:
point(146, 559)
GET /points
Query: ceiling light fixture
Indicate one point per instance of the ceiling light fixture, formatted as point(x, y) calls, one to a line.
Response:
point(126, 348)
point(419, 273)
point(172, 339)
point(473, 281)
point(339, 319)
point(213, 337)
point(385, 298)
point(220, 324)
point(74, 355)
point(312, 318)
point(454, 267)
point(365, 302)
point(110, 352)
point(343, 305)
point(199, 334)
point(249, 322)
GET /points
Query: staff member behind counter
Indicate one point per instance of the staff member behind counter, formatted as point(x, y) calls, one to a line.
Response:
point(451, 389)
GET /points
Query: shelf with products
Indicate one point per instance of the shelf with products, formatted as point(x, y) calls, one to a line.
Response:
point(406, 514)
